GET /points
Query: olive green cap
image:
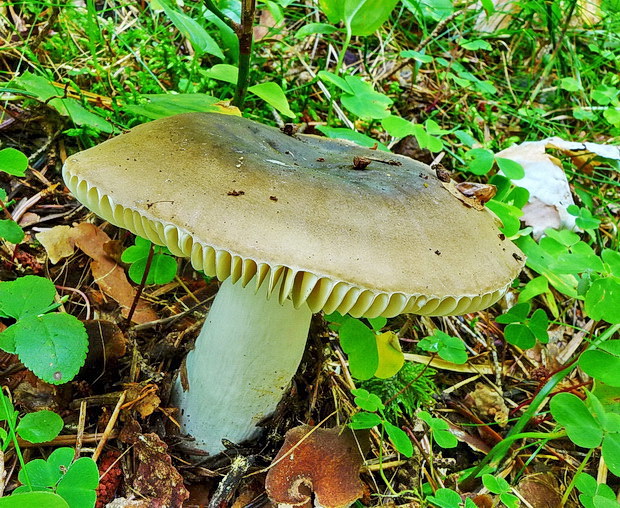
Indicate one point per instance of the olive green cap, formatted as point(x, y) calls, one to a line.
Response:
point(246, 201)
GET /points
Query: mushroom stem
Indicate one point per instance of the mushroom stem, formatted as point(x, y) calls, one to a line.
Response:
point(245, 357)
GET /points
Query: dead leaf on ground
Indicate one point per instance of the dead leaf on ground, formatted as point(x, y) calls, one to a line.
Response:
point(59, 242)
point(266, 22)
point(540, 490)
point(142, 398)
point(155, 478)
point(546, 181)
point(488, 403)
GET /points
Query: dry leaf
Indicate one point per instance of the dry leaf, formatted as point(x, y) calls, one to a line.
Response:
point(155, 476)
point(488, 403)
point(58, 242)
point(142, 398)
point(540, 490)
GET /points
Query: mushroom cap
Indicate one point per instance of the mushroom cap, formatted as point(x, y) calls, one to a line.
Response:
point(244, 200)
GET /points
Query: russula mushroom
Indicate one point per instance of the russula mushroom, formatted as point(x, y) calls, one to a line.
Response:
point(324, 461)
point(291, 227)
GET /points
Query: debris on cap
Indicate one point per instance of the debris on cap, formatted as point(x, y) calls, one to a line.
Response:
point(324, 461)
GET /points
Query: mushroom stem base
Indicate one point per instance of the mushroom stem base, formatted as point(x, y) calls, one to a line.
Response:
point(245, 357)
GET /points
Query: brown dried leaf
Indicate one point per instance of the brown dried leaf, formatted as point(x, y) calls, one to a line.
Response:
point(488, 403)
point(58, 242)
point(110, 277)
point(540, 490)
point(142, 398)
point(155, 476)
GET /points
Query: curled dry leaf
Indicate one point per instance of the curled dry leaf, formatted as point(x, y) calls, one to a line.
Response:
point(326, 461)
point(142, 398)
point(59, 242)
point(155, 477)
point(488, 403)
point(540, 490)
point(546, 181)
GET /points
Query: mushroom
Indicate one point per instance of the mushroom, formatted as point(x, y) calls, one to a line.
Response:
point(325, 461)
point(291, 227)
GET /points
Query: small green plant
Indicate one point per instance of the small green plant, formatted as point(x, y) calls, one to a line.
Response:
point(162, 269)
point(12, 162)
point(61, 480)
point(372, 415)
point(523, 331)
point(589, 425)
point(370, 353)
point(498, 485)
point(451, 349)
point(448, 498)
point(52, 345)
point(595, 495)
point(440, 430)
point(411, 387)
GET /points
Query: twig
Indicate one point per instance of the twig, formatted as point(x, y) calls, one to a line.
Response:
point(145, 275)
point(80, 432)
point(246, 41)
point(109, 427)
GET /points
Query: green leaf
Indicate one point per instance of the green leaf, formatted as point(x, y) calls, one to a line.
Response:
point(497, 485)
point(33, 500)
point(570, 84)
point(397, 126)
point(611, 451)
point(47, 473)
point(78, 485)
point(604, 94)
point(479, 161)
point(27, 296)
point(451, 349)
point(315, 28)
point(603, 363)
point(162, 105)
point(612, 258)
point(391, 358)
point(612, 115)
point(365, 101)
point(163, 267)
point(377, 323)
point(538, 324)
point(364, 420)
point(351, 135)
point(399, 439)
point(584, 218)
point(581, 427)
point(476, 45)
point(11, 231)
point(223, 72)
point(510, 168)
point(273, 95)
point(334, 79)
point(201, 41)
point(362, 17)
point(52, 346)
point(366, 400)
point(445, 498)
point(603, 300)
point(416, 55)
point(359, 343)
point(13, 162)
point(519, 335)
point(535, 287)
point(516, 314)
point(40, 427)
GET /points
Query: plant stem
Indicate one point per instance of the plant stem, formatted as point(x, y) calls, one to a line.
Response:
point(215, 10)
point(246, 40)
point(10, 420)
point(145, 276)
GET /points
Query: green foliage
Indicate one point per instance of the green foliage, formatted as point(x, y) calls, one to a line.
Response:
point(523, 331)
point(497, 485)
point(440, 430)
point(603, 363)
point(58, 481)
point(273, 95)
point(74, 480)
point(360, 17)
point(13, 162)
point(52, 345)
point(451, 349)
point(447, 498)
point(405, 392)
point(163, 266)
point(373, 414)
point(589, 425)
point(370, 353)
point(595, 495)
